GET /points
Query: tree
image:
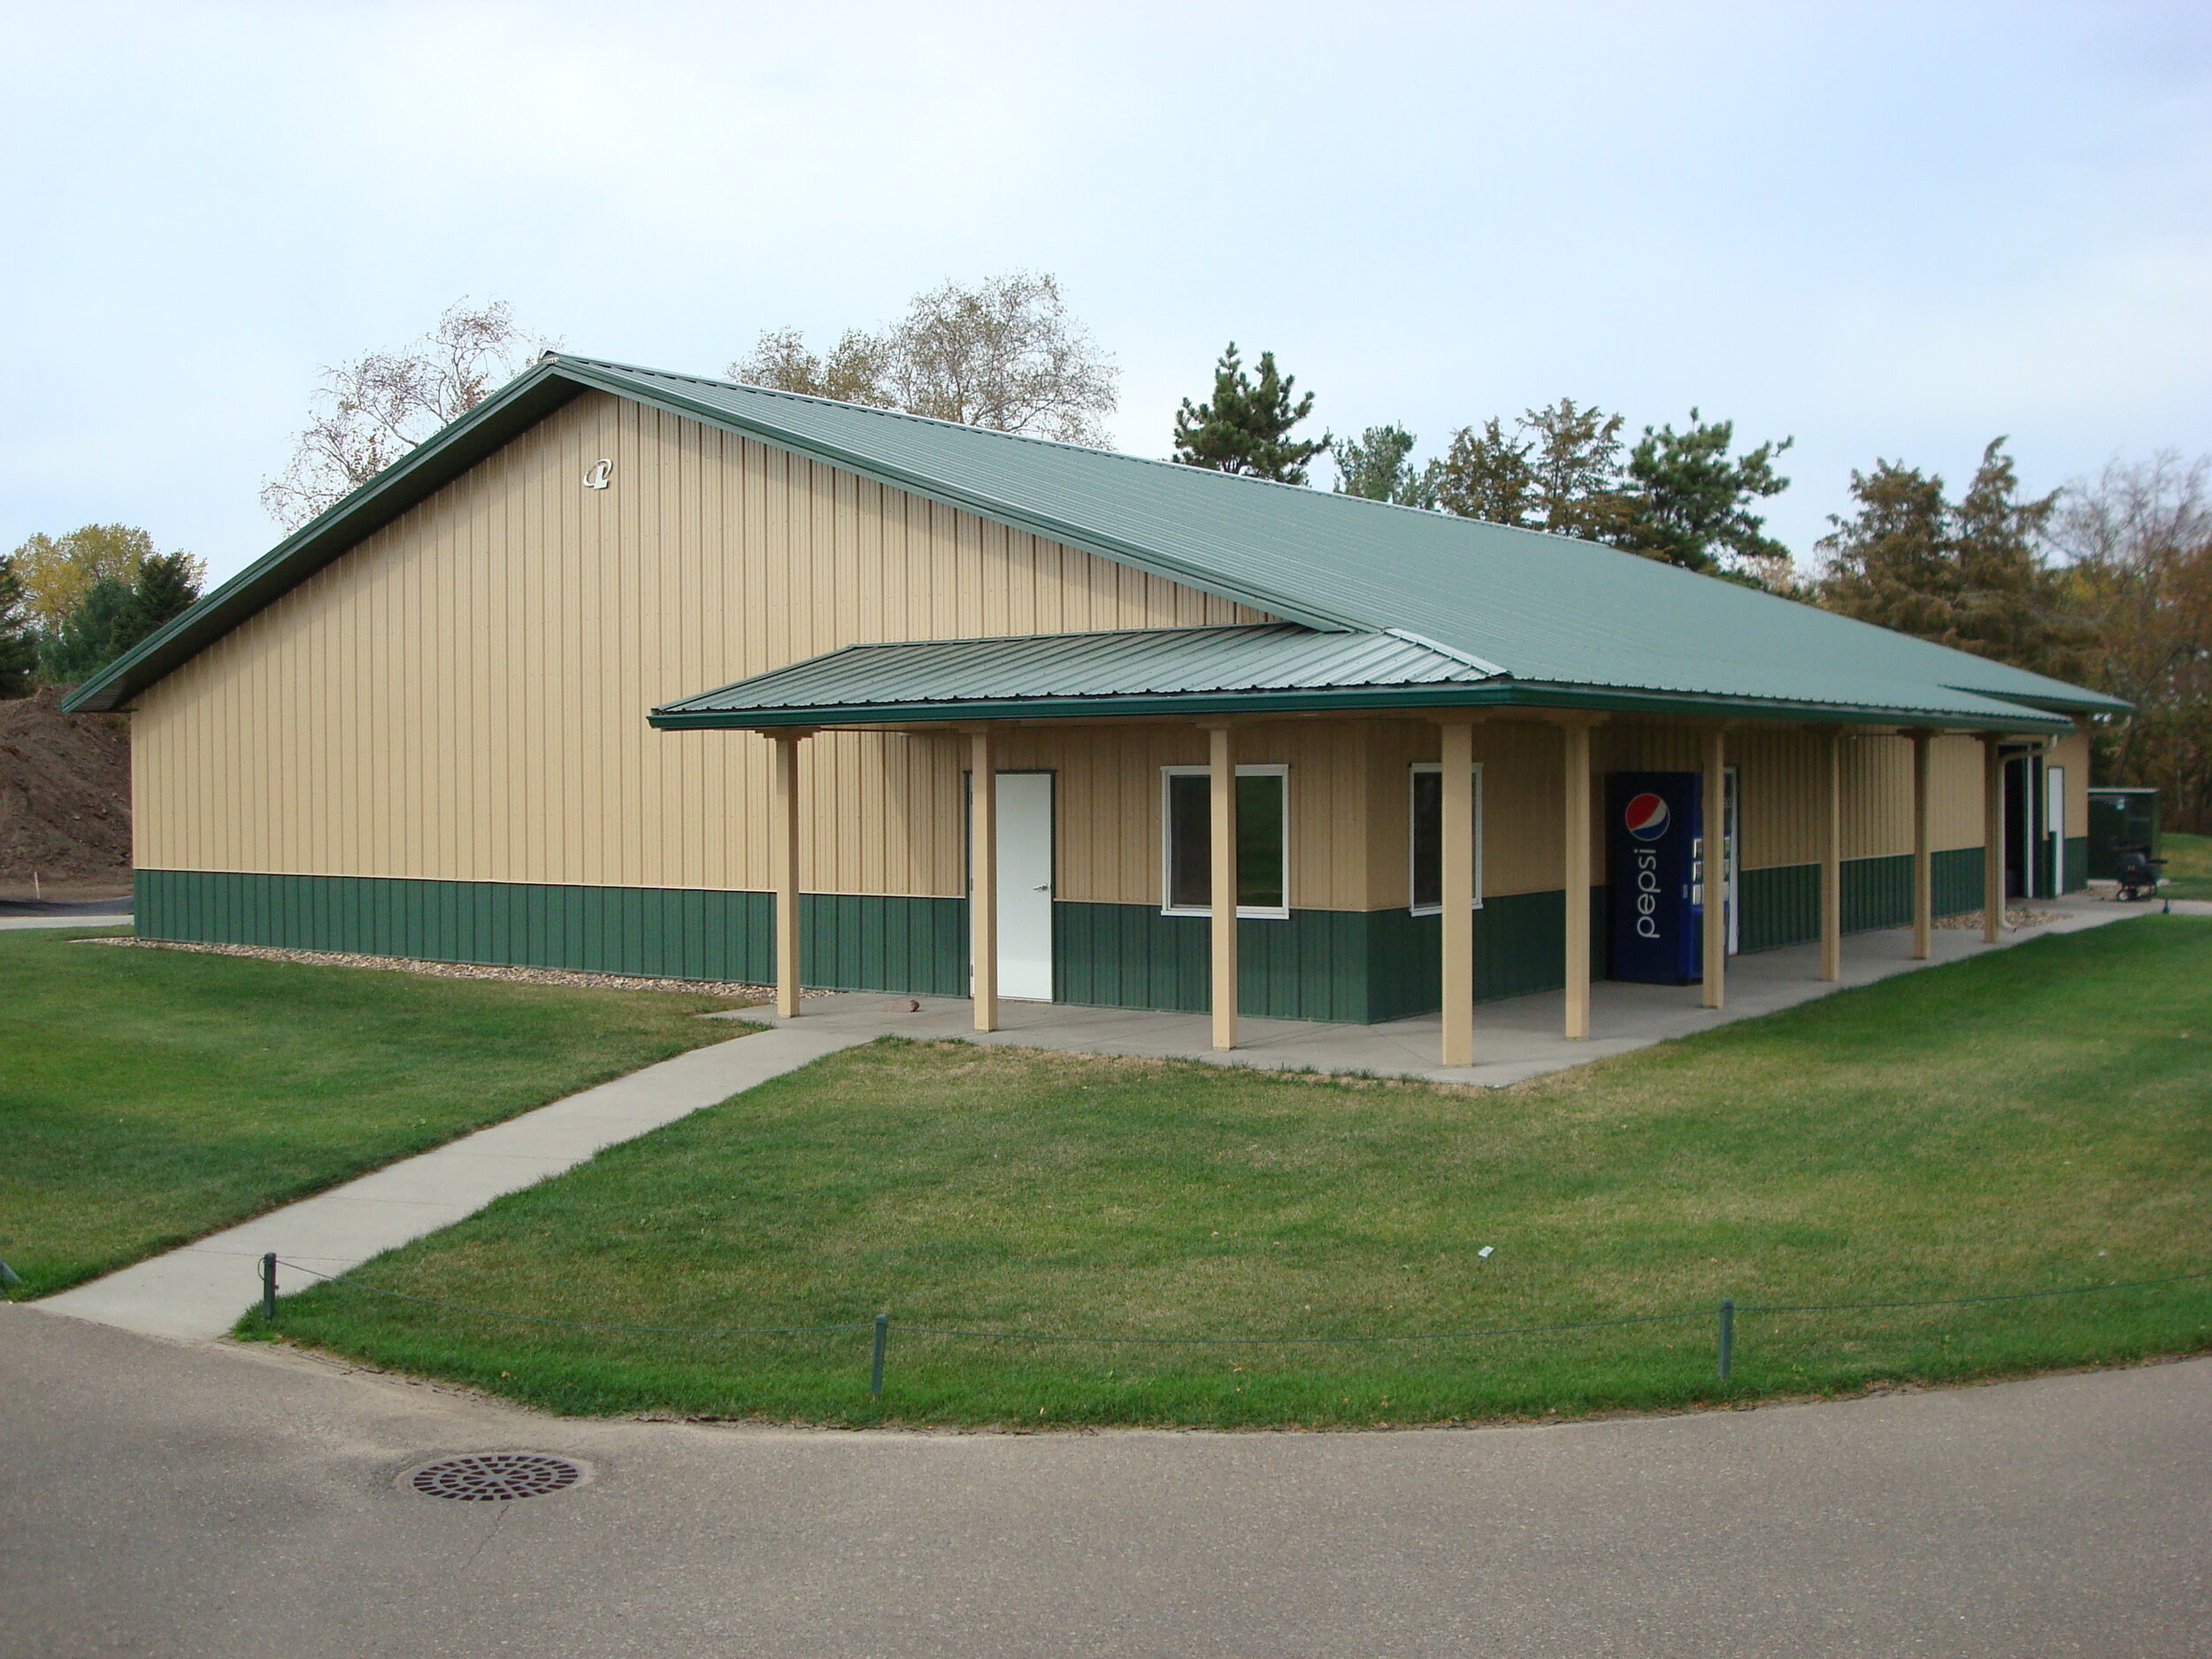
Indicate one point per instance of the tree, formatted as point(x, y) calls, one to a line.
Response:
point(85, 642)
point(115, 616)
point(168, 585)
point(1966, 575)
point(1485, 475)
point(18, 642)
point(2139, 580)
point(1560, 474)
point(57, 572)
point(1577, 473)
point(373, 410)
point(857, 369)
point(1246, 426)
point(1377, 464)
point(1002, 353)
point(1691, 504)
point(1890, 562)
point(2012, 606)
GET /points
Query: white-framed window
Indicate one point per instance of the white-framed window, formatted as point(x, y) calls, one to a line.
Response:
point(1424, 861)
point(1263, 840)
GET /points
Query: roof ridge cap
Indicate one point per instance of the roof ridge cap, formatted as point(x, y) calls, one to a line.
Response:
point(1093, 634)
point(1028, 437)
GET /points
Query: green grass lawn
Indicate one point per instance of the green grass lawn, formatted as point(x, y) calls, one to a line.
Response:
point(2188, 872)
point(149, 1098)
point(2033, 1118)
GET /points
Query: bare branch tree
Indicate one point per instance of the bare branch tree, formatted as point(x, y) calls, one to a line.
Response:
point(370, 411)
point(2139, 541)
point(1002, 353)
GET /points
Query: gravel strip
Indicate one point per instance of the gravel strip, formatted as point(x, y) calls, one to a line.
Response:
point(470, 970)
point(2013, 919)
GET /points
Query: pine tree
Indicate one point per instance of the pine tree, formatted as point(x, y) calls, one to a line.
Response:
point(1691, 504)
point(85, 642)
point(1377, 464)
point(1246, 428)
point(18, 645)
point(167, 587)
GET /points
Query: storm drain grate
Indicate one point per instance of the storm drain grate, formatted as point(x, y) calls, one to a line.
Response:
point(491, 1477)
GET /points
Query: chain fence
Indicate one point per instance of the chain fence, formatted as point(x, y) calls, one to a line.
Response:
point(1723, 1315)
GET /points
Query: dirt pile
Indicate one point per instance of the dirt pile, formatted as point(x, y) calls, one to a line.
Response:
point(64, 797)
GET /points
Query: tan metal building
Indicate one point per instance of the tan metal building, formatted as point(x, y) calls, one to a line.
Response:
point(460, 715)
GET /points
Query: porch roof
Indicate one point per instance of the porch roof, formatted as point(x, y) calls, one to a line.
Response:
point(1280, 667)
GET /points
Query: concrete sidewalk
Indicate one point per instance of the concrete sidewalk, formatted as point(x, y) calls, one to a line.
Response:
point(1516, 1039)
point(55, 919)
point(198, 1292)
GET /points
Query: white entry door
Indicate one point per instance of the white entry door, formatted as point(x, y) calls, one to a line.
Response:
point(1024, 886)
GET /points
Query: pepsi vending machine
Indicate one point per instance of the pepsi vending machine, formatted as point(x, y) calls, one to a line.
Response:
point(1658, 885)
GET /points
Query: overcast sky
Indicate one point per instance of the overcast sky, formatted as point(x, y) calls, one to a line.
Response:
point(1892, 231)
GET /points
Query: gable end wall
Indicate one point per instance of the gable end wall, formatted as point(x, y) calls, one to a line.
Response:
point(463, 696)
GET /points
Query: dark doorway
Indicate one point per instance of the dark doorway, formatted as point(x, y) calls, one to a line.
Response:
point(2027, 874)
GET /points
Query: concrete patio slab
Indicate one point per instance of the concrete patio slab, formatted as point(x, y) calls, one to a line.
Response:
point(198, 1292)
point(1514, 1040)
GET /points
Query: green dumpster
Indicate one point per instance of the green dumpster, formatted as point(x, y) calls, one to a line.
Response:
point(2118, 819)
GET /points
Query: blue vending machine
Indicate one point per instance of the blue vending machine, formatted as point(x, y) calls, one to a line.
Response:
point(1658, 884)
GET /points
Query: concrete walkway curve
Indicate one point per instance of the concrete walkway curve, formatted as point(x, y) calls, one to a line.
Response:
point(198, 1292)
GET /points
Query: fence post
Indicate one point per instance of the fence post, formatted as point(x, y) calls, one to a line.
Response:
point(268, 1285)
point(875, 1365)
point(1727, 1334)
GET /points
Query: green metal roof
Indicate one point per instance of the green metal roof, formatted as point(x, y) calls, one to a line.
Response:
point(1544, 609)
point(1156, 672)
point(895, 678)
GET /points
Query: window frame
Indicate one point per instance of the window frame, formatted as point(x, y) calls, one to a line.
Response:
point(1413, 831)
point(1251, 913)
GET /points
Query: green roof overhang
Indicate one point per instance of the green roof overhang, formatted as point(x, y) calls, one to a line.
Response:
point(1355, 700)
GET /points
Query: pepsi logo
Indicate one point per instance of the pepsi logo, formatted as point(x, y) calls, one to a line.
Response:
point(1647, 817)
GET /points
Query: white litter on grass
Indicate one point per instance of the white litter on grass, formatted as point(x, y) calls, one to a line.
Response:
point(1485, 1249)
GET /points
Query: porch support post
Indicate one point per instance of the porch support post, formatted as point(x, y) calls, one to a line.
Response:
point(1923, 865)
point(1832, 857)
point(784, 835)
point(1457, 780)
point(1715, 869)
point(1574, 838)
point(1993, 838)
point(1221, 899)
point(983, 877)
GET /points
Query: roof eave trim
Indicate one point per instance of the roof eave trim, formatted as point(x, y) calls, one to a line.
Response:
point(433, 464)
point(676, 717)
point(2087, 703)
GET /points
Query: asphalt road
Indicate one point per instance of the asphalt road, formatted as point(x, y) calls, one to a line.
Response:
point(175, 1502)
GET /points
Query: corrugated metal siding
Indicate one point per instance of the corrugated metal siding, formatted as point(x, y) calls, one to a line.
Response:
point(1358, 967)
point(846, 942)
point(2077, 863)
point(461, 696)
point(1781, 905)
